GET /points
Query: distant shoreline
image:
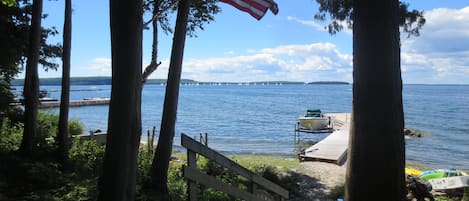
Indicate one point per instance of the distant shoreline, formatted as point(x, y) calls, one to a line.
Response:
point(108, 81)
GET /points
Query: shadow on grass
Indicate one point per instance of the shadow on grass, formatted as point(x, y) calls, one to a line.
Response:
point(309, 188)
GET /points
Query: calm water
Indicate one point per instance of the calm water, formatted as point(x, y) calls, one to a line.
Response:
point(259, 119)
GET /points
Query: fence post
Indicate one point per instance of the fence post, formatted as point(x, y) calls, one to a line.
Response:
point(253, 187)
point(150, 151)
point(153, 139)
point(192, 186)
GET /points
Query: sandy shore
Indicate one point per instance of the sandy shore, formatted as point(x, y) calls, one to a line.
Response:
point(317, 179)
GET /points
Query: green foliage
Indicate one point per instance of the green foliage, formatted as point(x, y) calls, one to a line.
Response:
point(288, 182)
point(340, 12)
point(16, 115)
point(86, 157)
point(410, 21)
point(15, 17)
point(465, 196)
point(12, 131)
point(201, 12)
point(78, 192)
point(176, 184)
point(268, 172)
point(43, 173)
point(9, 3)
point(221, 174)
point(10, 135)
point(211, 194)
point(337, 192)
point(445, 198)
point(145, 159)
point(75, 127)
point(41, 178)
point(46, 132)
point(260, 160)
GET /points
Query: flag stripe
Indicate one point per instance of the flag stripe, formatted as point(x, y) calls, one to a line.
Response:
point(272, 6)
point(241, 5)
point(247, 6)
point(257, 8)
point(262, 3)
point(266, 4)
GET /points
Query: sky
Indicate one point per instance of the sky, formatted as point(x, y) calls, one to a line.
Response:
point(289, 46)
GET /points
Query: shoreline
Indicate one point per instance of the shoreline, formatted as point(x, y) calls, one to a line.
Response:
point(317, 180)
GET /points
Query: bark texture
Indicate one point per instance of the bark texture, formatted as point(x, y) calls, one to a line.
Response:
point(31, 82)
point(117, 182)
point(63, 135)
point(159, 171)
point(376, 157)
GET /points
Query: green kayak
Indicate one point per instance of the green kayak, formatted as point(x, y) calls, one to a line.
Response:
point(439, 173)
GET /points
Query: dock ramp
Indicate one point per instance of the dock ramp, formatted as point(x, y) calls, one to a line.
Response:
point(334, 147)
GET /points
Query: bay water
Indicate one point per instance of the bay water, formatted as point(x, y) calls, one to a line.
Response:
point(260, 119)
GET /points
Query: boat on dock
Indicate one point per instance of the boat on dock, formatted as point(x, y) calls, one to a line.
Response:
point(314, 120)
point(333, 148)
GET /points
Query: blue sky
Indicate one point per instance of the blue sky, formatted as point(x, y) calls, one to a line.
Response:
point(290, 46)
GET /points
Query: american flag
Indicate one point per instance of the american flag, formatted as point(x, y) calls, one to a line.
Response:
point(257, 8)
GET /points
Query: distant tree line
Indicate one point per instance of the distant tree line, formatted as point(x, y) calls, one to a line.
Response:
point(107, 81)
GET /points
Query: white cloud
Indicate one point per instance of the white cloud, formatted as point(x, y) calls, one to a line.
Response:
point(441, 53)
point(320, 27)
point(310, 23)
point(100, 67)
point(308, 62)
point(231, 52)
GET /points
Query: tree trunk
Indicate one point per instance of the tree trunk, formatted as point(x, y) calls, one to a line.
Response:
point(376, 153)
point(31, 82)
point(63, 135)
point(117, 182)
point(154, 48)
point(159, 169)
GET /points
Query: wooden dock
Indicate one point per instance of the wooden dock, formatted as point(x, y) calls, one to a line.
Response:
point(334, 147)
point(75, 103)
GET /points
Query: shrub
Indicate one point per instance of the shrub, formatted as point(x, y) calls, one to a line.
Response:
point(288, 182)
point(221, 174)
point(15, 114)
point(177, 186)
point(75, 127)
point(10, 135)
point(46, 131)
point(43, 174)
point(337, 192)
point(87, 156)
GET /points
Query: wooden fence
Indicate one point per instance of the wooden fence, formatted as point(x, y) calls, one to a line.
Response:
point(260, 188)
